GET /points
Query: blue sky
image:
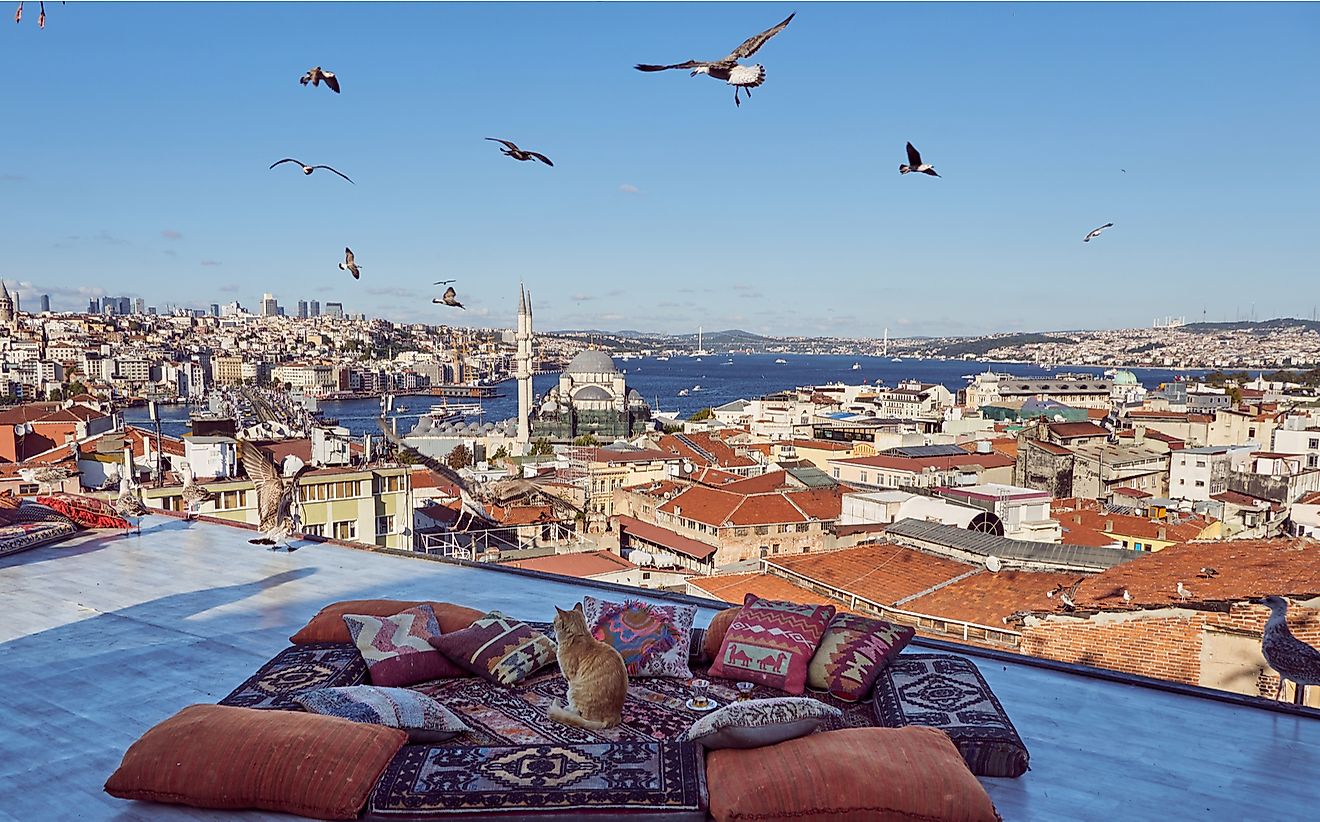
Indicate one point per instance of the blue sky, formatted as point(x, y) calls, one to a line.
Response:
point(134, 161)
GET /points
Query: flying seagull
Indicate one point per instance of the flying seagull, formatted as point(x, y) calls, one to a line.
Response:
point(516, 153)
point(348, 264)
point(1096, 232)
point(41, 16)
point(450, 298)
point(306, 169)
point(914, 163)
point(445, 282)
point(470, 506)
point(1287, 655)
point(277, 498)
point(742, 78)
point(316, 74)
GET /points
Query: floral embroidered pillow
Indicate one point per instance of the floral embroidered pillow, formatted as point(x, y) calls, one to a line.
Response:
point(772, 643)
point(852, 654)
point(654, 640)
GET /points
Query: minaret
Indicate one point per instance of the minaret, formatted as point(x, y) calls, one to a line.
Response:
point(523, 336)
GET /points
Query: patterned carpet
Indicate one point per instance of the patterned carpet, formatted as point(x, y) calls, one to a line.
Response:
point(21, 536)
point(296, 669)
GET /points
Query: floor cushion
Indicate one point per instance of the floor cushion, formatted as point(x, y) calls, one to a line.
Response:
point(755, 722)
point(297, 669)
point(851, 775)
point(498, 648)
point(853, 652)
point(89, 512)
point(424, 719)
point(654, 640)
point(715, 631)
point(772, 643)
point(21, 536)
point(397, 648)
point(215, 756)
point(328, 624)
point(9, 502)
point(949, 693)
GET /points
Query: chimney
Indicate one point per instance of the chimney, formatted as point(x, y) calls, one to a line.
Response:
point(1077, 519)
point(1109, 525)
point(1160, 534)
point(1138, 434)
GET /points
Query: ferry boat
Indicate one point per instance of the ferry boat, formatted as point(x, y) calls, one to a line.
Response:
point(781, 362)
point(662, 358)
point(682, 392)
point(455, 410)
point(857, 366)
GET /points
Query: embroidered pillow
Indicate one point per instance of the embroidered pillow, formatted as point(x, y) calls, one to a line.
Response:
point(396, 648)
point(772, 643)
point(653, 640)
point(498, 648)
point(89, 512)
point(760, 722)
point(713, 638)
point(422, 717)
point(852, 654)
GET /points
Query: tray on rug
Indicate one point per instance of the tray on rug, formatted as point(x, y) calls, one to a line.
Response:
point(655, 779)
point(24, 535)
point(296, 669)
point(949, 693)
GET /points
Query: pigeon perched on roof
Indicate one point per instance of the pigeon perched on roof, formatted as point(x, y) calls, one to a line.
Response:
point(1095, 232)
point(316, 75)
point(512, 150)
point(306, 169)
point(349, 264)
point(1208, 573)
point(1286, 654)
point(742, 78)
point(914, 163)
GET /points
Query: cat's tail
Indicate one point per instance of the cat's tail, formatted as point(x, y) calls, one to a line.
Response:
point(567, 717)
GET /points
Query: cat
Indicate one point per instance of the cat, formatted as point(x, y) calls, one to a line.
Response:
point(596, 674)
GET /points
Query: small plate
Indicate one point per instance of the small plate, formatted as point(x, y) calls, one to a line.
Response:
point(710, 705)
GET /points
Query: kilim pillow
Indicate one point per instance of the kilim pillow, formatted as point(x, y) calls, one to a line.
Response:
point(422, 717)
point(215, 756)
point(88, 512)
point(652, 639)
point(772, 643)
point(852, 654)
point(849, 775)
point(715, 631)
point(328, 625)
point(9, 503)
point(397, 648)
point(498, 648)
point(758, 722)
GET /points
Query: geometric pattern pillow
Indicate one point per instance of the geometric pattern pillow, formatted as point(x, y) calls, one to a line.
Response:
point(654, 640)
point(772, 643)
point(949, 693)
point(759, 722)
point(422, 717)
point(498, 648)
point(396, 648)
point(853, 652)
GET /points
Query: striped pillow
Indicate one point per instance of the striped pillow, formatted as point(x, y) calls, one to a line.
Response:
point(397, 648)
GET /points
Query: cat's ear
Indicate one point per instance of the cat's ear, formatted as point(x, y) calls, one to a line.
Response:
point(559, 611)
point(578, 607)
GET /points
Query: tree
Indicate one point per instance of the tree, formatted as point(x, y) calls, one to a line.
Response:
point(542, 447)
point(1235, 395)
point(673, 429)
point(586, 439)
point(500, 454)
point(460, 457)
point(703, 414)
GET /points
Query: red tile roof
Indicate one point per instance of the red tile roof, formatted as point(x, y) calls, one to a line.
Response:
point(712, 476)
point(917, 464)
point(987, 598)
point(581, 565)
point(819, 445)
point(1073, 512)
point(883, 573)
point(1074, 430)
point(734, 588)
point(521, 514)
point(664, 538)
point(1049, 447)
point(720, 507)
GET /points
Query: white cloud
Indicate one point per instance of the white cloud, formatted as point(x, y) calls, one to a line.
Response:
point(629, 188)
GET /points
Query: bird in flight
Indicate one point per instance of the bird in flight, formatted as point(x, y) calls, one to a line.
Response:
point(445, 282)
point(277, 498)
point(1096, 232)
point(470, 505)
point(742, 78)
point(914, 163)
point(450, 298)
point(516, 153)
point(306, 169)
point(349, 265)
point(316, 75)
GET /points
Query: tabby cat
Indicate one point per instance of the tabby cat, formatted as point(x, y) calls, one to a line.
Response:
point(597, 677)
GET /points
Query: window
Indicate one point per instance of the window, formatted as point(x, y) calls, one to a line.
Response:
point(27, 489)
point(774, 549)
point(166, 503)
point(863, 477)
point(1136, 546)
point(762, 530)
point(230, 500)
point(1313, 443)
point(389, 485)
point(765, 551)
point(740, 532)
point(317, 530)
point(1182, 482)
point(836, 473)
point(803, 527)
point(345, 529)
point(1200, 483)
point(783, 529)
point(1200, 463)
point(1312, 461)
point(1251, 433)
point(385, 524)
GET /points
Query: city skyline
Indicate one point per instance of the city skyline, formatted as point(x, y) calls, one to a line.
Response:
point(668, 208)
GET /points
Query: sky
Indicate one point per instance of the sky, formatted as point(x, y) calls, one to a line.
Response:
point(134, 161)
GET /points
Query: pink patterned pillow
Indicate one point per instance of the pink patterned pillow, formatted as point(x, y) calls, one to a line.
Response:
point(652, 639)
point(772, 643)
point(853, 652)
point(396, 648)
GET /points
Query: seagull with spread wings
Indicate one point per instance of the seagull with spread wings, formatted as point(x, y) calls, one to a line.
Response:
point(914, 163)
point(349, 264)
point(316, 75)
point(512, 150)
point(742, 78)
point(1091, 235)
point(306, 169)
point(470, 505)
point(277, 498)
point(450, 298)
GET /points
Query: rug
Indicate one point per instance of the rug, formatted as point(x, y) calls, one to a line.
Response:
point(949, 693)
point(611, 779)
point(24, 535)
point(296, 669)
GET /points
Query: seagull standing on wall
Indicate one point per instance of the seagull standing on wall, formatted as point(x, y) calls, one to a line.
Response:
point(47, 476)
point(193, 494)
point(742, 78)
point(914, 163)
point(277, 498)
point(1287, 655)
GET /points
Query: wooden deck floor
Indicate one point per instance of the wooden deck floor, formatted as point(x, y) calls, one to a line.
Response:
point(105, 636)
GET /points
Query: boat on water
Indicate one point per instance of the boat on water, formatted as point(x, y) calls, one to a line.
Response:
point(454, 410)
point(897, 359)
point(727, 362)
point(662, 358)
point(857, 366)
point(780, 361)
point(682, 392)
point(696, 388)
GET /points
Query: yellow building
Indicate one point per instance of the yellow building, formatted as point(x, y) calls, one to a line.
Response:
point(371, 506)
point(227, 370)
point(608, 469)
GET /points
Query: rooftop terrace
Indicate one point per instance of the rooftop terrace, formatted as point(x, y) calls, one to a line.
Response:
point(108, 634)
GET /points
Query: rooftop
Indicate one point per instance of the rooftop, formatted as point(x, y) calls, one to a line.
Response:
point(107, 634)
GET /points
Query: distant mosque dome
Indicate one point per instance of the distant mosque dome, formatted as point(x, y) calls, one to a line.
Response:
point(591, 361)
point(593, 392)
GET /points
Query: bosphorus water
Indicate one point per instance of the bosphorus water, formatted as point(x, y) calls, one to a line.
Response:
point(709, 381)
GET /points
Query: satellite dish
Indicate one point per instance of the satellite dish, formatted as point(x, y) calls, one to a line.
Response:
point(20, 430)
point(992, 564)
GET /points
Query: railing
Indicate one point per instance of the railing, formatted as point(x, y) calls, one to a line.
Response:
point(969, 631)
point(484, 545)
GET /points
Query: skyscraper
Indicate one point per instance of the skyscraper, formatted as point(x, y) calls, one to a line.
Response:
point(45, 303)
point(215, 309)
point(302, 309)
point(139, 306)
point(94, 305)
point(270, 307)
point(314, 309)
point(334, 310)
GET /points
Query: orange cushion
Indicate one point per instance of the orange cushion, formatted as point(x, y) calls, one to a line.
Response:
point(715, 631)
point(217, 756)
point(328, 625)
point(852, 775)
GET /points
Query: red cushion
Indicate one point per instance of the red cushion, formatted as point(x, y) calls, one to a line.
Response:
point(772, 643)
point(328, 624)
point(89, 512)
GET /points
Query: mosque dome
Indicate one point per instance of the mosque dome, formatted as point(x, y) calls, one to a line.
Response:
point(591, 361)
point(593, 392)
